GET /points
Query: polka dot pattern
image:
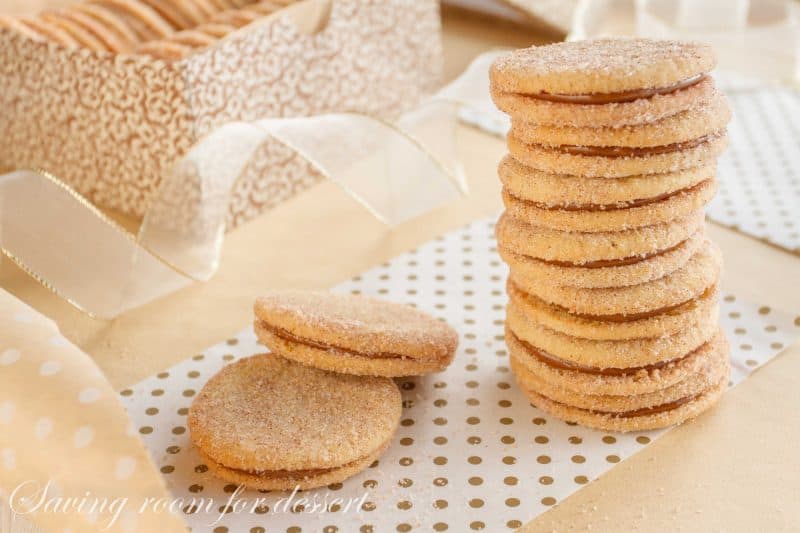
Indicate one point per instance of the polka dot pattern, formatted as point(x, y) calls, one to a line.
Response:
point(471, 454)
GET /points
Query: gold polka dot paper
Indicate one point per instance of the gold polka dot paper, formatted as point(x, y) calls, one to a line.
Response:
point(470, 454)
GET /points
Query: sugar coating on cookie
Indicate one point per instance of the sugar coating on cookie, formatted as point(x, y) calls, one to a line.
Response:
point(353, 333)
point(600, 66)
point(268, 418)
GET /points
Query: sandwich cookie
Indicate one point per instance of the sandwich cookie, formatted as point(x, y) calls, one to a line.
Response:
point(655, 417)
point(610, 381)
point(701, 121)
point(618, 161)
point(110, 20)
point(272, 424)
point(83, 36)
point(613, 217)
point(49, 31)
point(622, 273)
point(605, 249)
point(568, 192)
point(603, 82)
point(620, 327)
point(700, 272)
point(635, 108)
point(353, 334)
point(631, 353)
point(17, 26)
point(711, 369)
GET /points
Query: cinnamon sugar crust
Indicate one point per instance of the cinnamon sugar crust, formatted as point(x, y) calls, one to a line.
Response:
point(265, 413)
point(579, 248)
point(600, 66)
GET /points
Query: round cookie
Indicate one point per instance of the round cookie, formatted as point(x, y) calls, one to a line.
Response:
point(600, 66)
point(84, 37)
point(617, 114)
point(143, 20)
point(699, 273)
point(632, 272)
point(711, 369)
point(583, 248)
point(597, 218)
point(585, 380)
point(563, 190)
point(274, 424)
point(14, 24)
point(694, 123)
point(603, 354)
point(617, 162)
point(110, 20)
point(49, 31)
point(652, 418)
point(668, 322)
point(111, 40)
point(353, 334)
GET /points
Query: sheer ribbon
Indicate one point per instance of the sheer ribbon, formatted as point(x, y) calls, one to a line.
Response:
point(397, 171)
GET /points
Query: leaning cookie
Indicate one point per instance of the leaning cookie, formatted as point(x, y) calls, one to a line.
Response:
point(272, 424)
point(353, 334)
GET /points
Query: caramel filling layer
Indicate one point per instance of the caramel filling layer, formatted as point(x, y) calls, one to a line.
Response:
point(618, 97)
point(606, 263)
point(590, 208)
point(561, 364)
point(619, 317)
point(613, 152)
point(291, 337)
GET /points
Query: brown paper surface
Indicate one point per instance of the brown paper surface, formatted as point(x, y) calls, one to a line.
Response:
point(734, 469)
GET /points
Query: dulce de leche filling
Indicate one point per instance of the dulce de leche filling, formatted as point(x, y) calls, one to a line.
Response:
point(617, 97)
point(640, 202)
point(291, 337)
point(609, 263)
point(561, 364)
point(630, 151)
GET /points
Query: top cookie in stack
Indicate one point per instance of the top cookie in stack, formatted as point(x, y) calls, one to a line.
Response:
point(612, 320)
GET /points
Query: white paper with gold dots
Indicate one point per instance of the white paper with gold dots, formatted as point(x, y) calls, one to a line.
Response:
point(759, 174)
point(471, 452)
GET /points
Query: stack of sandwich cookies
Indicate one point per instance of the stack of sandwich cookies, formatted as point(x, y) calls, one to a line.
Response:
point(322, 406)
point(612, 316)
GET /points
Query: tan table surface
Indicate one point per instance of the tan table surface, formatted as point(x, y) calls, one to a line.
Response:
point(735, 469)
